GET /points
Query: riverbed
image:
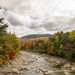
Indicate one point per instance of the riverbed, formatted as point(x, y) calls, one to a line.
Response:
point(31, 63)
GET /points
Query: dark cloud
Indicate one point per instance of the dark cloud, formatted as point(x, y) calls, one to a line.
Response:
point(51, 26)
point(34, 25)
point(14, 20)
point(71, 21)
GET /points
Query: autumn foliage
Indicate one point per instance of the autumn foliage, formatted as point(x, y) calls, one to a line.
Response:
point(61, 44)
point(9, 45)
point(68, 46)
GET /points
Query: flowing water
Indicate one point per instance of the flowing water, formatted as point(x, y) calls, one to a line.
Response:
point(40, 63)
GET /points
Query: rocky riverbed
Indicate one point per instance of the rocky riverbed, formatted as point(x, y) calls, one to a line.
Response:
point(31, 63)
point(17, 65)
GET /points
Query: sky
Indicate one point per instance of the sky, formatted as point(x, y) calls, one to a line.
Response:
point(26, 17)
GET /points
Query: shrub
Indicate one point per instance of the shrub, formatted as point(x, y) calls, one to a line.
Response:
point(1, 61)
point(71, 54)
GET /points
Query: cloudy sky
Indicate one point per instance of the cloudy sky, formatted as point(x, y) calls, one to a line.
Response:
point(38, 16)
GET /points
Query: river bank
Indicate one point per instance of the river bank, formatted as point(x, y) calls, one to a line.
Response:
point(15, 66)
point(31, 63)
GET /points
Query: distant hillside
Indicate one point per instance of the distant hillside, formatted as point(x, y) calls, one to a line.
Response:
point(37, 36)
point(32, 39)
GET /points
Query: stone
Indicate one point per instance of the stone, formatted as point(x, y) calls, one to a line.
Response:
point(73, 68)
point(36, 67)
point(67, 65)
point(31, 60)
point(47, 73)
point(37, 71)
point(6, 71)
point(22, 68)
point(21, 61)
point(44, 71)
point(40, 69)
point(58, 62)
point(15, 71)
point(36, 59)
point(31, 67)
point(46, 58)
point(47, 63)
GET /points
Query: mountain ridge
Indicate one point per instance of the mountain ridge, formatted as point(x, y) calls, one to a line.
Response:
point(36, 36)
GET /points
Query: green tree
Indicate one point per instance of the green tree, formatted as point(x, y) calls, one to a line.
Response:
point(3, 27)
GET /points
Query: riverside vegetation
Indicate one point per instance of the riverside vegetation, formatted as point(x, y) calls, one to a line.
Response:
point(61, 45)
point(9, 44)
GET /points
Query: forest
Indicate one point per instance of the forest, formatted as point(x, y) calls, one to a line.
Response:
point(9, 44)
point(60, 45)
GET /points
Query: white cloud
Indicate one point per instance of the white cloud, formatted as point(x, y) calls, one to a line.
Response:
point(38, 16)
point(1, 12)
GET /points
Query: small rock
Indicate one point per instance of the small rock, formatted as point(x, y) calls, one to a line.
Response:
point(46, 58)
point(15, 71)
point(31, 60)
point(36, 59)
point(40, 69)
point(37, 71)
point(47, 73)
point(67, 65)
point(31, 67)
point(36, 67)
point(58, 62)
point(73, 68)
point(21, 61)
point(44, 71)
point(22, 68)
point(47, 63)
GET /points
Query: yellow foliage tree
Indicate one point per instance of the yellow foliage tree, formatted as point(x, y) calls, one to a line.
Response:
point(72, 36)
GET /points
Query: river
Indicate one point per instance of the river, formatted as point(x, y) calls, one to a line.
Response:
point(41, 64)
point(35, 64)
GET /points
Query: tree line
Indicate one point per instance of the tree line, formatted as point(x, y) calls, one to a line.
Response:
point(61, 44)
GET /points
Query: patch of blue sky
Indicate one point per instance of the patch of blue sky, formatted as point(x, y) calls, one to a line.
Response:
point(34, 18)
point(4, 13)
point(5, 9)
